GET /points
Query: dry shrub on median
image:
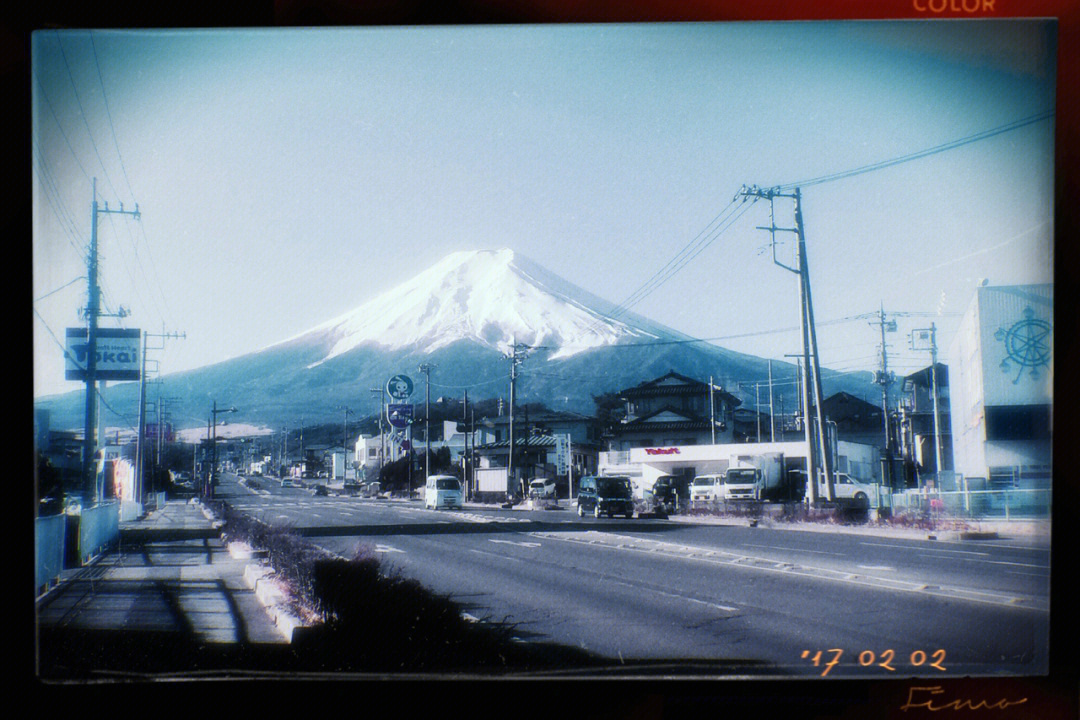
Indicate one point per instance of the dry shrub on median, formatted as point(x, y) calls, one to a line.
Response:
point(374, 621)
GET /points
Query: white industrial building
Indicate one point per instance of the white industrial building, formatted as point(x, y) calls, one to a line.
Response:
point(1001, 367)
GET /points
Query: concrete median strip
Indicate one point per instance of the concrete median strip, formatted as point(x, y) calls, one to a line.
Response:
point(261, 578)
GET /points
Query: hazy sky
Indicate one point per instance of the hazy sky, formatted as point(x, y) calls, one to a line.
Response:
point(287, 176)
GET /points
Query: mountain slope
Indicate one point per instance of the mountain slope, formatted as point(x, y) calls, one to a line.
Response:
point(460, 315)
point(492, 298)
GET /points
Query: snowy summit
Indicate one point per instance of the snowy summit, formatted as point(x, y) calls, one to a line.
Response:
point(491, 297)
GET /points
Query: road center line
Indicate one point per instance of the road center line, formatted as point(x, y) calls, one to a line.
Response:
point(791, 549)
point(677, 596)
point(923, 549)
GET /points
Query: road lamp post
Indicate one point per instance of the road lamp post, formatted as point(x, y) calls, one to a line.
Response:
point(213, 448)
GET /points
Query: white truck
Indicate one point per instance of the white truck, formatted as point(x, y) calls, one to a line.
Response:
point(742, 483)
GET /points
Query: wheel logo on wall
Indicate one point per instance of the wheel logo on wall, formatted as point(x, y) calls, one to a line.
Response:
point(1027, 344)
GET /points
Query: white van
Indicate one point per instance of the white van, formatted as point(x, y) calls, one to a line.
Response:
point(442, 491)
point(706, 489)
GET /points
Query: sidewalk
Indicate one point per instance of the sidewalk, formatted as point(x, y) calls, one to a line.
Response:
point(169, 599)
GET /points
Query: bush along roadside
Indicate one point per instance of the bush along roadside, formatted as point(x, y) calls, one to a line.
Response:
point(373, 621)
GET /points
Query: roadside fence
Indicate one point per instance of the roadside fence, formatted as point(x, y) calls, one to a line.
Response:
point(1005, 504)
point(49, 536)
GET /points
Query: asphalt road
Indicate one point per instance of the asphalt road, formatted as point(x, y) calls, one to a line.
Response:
point(803, 603)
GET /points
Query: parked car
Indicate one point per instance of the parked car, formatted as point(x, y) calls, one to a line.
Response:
point(287, 482)
point(542, 488)
point(321, 491)
point(442, 491)
point(605, 496)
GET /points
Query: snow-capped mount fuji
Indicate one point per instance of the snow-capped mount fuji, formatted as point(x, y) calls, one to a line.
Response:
point(460, 315)
point(491, 298)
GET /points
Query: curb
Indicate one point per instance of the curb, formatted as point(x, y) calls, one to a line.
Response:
point(262, 579)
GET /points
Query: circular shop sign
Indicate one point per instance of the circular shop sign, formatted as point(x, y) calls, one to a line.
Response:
point(399, 387)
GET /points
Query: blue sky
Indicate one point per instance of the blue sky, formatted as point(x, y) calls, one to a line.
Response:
point(286, 176)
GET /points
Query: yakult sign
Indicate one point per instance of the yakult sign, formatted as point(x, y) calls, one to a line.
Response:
point(117, 354)
point(662, 451)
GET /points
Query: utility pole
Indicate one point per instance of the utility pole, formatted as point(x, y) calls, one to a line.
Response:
point(884, 378)
point(712, 411)
point(466, 457)
point(344, 439)
point(772, 413)
point(937, 413)
point(382, 412)
point(213, 444)
point(809, 333)
point(93, 312)
point(930, 335)
point(518, 353)
point(426, 368)
point(757, 408)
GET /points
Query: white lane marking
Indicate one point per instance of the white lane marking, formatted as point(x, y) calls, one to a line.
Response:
point(877, 567)
point(779, 547)
point(923, 549)
point(387, 549)
point(513, 542)
point(678, 597)
point(1003, 562)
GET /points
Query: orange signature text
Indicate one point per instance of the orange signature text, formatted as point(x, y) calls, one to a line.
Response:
point(916, 699)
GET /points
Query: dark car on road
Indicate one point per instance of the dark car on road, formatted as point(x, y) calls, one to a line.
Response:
point(662, 499)
point(605, 496)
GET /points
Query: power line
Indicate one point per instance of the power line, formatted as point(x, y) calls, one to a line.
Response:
point(82, 113)
point(49, 183)
point(108, 115)
point(1014, 125)
point(698, 250)
point(81, 277)
point(53, 335)
point(109, 407)
point(633, 297)
point(72, 237)
point(61, 128)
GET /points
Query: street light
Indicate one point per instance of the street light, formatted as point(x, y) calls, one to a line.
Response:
point(212, 475)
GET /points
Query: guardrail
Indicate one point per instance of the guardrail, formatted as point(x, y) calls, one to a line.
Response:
point(1004, 504)
point(49, 536)
point(99, 528)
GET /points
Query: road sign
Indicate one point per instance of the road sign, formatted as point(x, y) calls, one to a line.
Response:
point(399, 387)
point(117, 355)
point(562, 454)
point(399, 414)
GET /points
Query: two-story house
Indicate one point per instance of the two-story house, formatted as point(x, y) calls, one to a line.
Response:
point(675, 410)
